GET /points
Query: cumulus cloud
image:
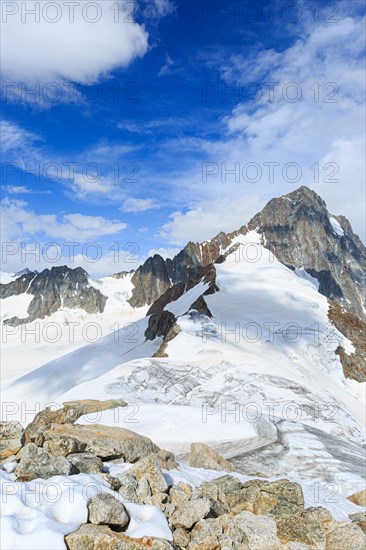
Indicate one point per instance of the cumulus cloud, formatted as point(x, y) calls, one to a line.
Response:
point(138, 205)
point(204, 221)
point(60, 42)
point(308, 131)
point(19, 222)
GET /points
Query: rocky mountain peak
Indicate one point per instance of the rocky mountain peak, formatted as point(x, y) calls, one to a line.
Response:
point(299, 231)
point(53, 289)
point(302, 233)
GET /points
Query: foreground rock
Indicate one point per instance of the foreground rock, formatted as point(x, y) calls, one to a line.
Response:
point(302, 528)
point(11, 434)
point(223, 513)
point(358, 498)
point(101, 537)
point(167, 460)
point(359, 519)
point(68, 414)
point(345, 536)
point(86, 463)
point(281, 497)
point(258, 496)
point(203, 456)
point(37, 463)
point(103, 441)
point(104, 509)
point(245, 531)
point(190, 512)
point(148, 473)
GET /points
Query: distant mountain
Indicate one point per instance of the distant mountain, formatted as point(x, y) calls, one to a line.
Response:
point(53, 289)
point(297, 228)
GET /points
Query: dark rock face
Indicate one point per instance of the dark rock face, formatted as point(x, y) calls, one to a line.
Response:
point(297, 228)
point(207, 274)
point(156, 275)
point(19, 286)
point(354, 364)
point(150, 281)
point(159, 324)
point(122, 274)
point(163, 323)
point(52, 289)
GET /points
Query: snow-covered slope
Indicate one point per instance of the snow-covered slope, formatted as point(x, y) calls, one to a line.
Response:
point(260, 380)
point(29, 346)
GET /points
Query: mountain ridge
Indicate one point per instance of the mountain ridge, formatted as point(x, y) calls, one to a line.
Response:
point(297, 228)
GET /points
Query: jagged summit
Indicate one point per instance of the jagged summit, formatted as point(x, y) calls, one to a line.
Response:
point(302, 233)
point(298, 229)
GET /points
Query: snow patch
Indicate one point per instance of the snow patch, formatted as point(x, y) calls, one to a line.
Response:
point(38, 514)
point(15, 306)
point(336, 227)
point(303, 274)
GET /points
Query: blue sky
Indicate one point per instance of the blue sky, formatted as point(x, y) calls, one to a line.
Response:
point(167, 121)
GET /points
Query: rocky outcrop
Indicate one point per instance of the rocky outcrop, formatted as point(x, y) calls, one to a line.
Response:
point(68, 414)
point(101, 537)
point(159, 324)
point(156, 276)
point(52, 289)
point(11, 436)
point(358, 498)
point(163, 323)
point(171, 334)
point(104, 441)
point(36, 462)
point(354, 364)
point(301, 233)
point(203, 456)
point(104, 509)
point(205, 274)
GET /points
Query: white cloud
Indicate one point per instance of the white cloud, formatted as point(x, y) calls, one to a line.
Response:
point(166, 68)
point(159, 8)
point(21, 223)
point(46, 256)
point(22, 190)
point(326, 125)
point(108, 264)
point(164, 252)
point(95, 172)
point(202, 222)
point(349, 199)
point(138, 205)
point(78, 47)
